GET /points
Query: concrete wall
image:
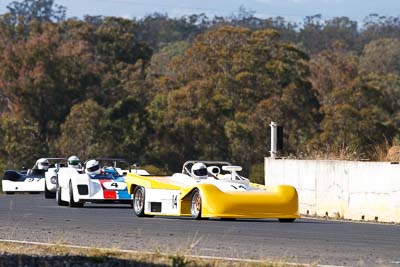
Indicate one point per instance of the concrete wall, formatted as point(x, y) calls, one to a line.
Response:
point(345, 189)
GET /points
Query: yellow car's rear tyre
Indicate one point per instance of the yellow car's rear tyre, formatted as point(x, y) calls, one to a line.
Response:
point(286, 220)
point(195, 204)
point(228, 219)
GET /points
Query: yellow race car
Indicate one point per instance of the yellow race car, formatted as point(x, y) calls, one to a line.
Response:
point(210, 189)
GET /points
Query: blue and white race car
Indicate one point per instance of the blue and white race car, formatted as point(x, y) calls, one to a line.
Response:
point(100, 181)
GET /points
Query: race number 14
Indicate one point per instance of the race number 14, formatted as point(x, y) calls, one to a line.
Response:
point(174, 201)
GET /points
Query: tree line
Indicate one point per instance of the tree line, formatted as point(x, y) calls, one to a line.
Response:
point(161, 90)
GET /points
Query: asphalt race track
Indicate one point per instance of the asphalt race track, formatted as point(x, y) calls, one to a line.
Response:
point(32, 218)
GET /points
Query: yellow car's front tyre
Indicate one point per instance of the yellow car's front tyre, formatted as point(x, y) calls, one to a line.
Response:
point(195, 204)
point(138, 201)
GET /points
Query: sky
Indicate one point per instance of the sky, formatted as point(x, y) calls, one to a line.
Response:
point(292, 10)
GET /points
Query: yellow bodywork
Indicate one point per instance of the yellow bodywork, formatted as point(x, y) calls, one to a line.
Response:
point(265, 202)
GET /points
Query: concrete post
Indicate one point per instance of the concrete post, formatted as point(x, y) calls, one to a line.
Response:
point(274, 139)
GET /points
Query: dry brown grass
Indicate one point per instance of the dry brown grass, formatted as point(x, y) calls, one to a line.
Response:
point(381, 152)
point(141, 258)
point(329, 152)
point(393, 154)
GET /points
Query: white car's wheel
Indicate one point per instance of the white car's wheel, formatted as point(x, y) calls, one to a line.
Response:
point(195, 206)
point(72, 202)
point(58, 197)
point(47, 193)
point(138, 201)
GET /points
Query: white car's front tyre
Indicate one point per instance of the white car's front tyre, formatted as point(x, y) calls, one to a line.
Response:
point(60, 202)
point(72, 202)
point(47, 193)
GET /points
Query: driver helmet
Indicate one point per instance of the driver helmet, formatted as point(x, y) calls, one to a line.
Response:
point(73, 162)
point(92, 167)
point(43, 164)
point(199, 171)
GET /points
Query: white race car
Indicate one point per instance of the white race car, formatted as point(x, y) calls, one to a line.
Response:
point(101, 180)
point(51, 177)
point(31, 180)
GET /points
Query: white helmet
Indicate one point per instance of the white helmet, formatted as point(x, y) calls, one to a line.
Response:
point(199, 171)
point(73, 162)
point(43, 164)
point(92, 167)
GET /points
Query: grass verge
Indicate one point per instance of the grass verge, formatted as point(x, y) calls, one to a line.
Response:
point(23, 254)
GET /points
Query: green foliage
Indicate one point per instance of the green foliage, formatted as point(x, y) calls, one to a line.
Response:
point(161, 60)
point(84, 133)
point(226, 89)
point(154, 170)
point(356, 111)
point(165, 90)
point(257, 174)
point(382, 57)
point(41, 10)
point(157, 29)
point(126, 123)
point(19, 143)
point(3, 168)
point(39, 73)
point(179, 261)
point(114, 40)
point(318, 35)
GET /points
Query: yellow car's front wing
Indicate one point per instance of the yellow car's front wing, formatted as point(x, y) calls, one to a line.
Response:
point(275, 202)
